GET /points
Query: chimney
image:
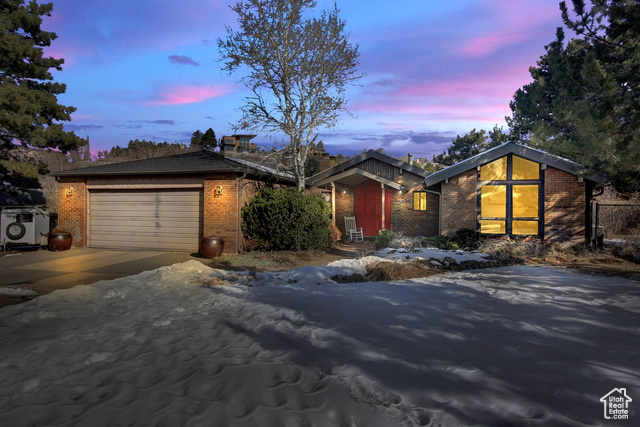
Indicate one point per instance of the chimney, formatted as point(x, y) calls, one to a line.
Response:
point(410, 158)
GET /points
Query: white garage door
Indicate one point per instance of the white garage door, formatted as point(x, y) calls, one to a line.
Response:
point(145, 219)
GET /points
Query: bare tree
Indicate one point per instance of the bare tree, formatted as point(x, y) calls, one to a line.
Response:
point(298, 70)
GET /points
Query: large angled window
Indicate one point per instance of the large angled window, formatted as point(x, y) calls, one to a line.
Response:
point(509, 201)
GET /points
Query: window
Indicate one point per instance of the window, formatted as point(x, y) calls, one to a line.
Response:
point(525, 169)
point(509, 197)
point(419, 200)
point(494, 171)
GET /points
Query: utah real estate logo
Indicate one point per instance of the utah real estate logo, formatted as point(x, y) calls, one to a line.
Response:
point(616, 404)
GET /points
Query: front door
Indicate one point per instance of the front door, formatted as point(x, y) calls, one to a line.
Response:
point(368, 207)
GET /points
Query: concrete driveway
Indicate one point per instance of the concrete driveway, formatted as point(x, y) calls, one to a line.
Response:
point(45, 271)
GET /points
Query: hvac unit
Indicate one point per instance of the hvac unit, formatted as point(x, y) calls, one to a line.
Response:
point(23, 226)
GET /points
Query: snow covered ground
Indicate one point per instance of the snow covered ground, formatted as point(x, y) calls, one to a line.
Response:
point(189, 345)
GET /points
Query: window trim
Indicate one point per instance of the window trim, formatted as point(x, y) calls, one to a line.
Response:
point(509, 183)
point(413, 201)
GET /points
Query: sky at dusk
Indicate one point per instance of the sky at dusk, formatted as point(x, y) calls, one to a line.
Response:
point(150, 69)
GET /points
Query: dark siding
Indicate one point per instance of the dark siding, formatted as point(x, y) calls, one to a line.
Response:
point(382, 169)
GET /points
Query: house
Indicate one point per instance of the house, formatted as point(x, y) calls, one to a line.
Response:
point(165, 203)
point(238, 144)
point(382, 193)
point(510, 189)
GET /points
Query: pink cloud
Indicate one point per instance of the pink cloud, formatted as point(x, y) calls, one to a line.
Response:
point(182, 94)
point(512, 25)
point(501, 83)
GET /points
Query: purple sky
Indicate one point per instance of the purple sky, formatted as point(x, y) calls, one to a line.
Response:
point(149, 69)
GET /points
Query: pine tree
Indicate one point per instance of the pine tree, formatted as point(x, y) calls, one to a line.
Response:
point(584, 102)
point(196, 140)
point(209, 141)
point(29, 109)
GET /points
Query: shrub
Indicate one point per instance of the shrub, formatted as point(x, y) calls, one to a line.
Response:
point(336, 235)
point(440, 242)
point(383, 239)
point(285, 219)
point(467, 239)
point(406, 242)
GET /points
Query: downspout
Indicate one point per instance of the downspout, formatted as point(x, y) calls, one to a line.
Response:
point(239, 245)
point(439, 209)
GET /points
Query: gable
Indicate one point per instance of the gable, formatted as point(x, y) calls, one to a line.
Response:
point(372, 162)
point(521, 151)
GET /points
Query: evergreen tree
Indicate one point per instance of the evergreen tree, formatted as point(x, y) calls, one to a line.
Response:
point(584, 102)
point(463, 147)
point(209, 141)
point(320, 147)
point(196, 140)
point(29, 109)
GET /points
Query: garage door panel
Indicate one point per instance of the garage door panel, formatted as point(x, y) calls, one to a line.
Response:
point(144, 227)
point(135, 212)
point(142, 195)
point(135, 219)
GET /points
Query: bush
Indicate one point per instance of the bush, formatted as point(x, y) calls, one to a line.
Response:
point(405, 242)
point(383, 239)
point(467, 239)
point(285, 219)
point(336, 235)
point(440, 242)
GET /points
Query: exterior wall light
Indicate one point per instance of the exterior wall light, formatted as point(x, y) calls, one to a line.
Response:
point(218, 190)
point(344, 191)
point(69, 191)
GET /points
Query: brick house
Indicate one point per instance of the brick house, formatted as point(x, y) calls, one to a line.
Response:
point(511, 190)
point(362, 186)
point(170, 202)
point(165, 203)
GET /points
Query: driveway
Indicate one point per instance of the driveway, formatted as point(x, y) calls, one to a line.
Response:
point(45, 271)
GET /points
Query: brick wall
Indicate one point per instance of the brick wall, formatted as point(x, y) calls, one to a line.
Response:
point(220, 216)
point(565, 206)
point(344, 205)
point(459, 202)
point(72, 208)
point(403, 218)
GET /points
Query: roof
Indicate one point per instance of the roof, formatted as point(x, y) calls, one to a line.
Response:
point(520, 150)
point(188, 163)
point(18, 197)
point(371, 154)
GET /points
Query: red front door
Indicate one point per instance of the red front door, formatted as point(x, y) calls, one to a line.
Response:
point(368, 207)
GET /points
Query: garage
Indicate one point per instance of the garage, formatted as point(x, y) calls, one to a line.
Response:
point(161, 203)
point(145, 219)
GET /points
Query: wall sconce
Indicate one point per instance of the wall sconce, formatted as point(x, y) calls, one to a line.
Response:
point(69, 191)
point(344, 191)
point(218, 190)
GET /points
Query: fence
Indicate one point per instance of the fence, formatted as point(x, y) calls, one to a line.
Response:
point(615, 223)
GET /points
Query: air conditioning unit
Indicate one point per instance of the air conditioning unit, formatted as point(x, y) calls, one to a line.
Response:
point(23, 226)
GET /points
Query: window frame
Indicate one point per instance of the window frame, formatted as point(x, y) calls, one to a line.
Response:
point(413, 201)
point(509, 183)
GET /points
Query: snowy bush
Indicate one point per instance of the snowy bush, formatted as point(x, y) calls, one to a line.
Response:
point(285, 219)
point(439, 242)
point(383, 239)
point(406, 242)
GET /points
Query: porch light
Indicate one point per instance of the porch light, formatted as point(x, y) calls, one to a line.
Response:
point(344, 191)
point(218, 190)
point(69, 191)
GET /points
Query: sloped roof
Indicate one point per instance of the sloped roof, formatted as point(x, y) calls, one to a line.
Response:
point(371, 154)
point(520, 150)
point(187, 163)
point(16, 197)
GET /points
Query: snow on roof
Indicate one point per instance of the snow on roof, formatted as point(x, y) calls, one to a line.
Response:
point(263, 168)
